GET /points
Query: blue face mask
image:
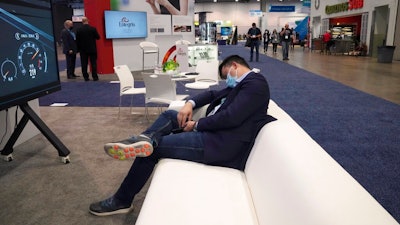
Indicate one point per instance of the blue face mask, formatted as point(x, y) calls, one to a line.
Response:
point(230, 80)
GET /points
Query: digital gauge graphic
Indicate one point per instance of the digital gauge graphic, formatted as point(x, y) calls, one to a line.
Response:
point(32, 59)
point(8, 70)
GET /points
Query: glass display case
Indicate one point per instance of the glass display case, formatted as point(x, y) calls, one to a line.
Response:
point(202, 52)
point(342, 32)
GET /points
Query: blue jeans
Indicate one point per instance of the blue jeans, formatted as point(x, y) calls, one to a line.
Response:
point(285, 49)
point(186, 145)
point(254, 44)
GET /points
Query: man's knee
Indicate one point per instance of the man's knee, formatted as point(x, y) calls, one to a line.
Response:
point(170, 113)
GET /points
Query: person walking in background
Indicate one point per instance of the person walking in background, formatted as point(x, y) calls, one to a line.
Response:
point(266, 37)
point(70, 48)
point(254, 34)
point(327, 39)
point(86, 37)
point(293, 39)
point(285, 36)
point(274, 40)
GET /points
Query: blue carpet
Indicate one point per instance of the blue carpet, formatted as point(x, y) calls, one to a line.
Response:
point(101, 94)
point(360, 131)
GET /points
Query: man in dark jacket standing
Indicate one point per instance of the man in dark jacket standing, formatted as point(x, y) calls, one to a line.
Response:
point(254, 34)
point(86, 37)
point(69, 48)
point(286, 37)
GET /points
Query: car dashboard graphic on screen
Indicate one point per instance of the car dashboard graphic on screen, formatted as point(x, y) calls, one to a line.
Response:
point(28, 57)
point(26, 45)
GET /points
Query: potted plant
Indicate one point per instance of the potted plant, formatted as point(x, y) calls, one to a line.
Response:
point(170, 66)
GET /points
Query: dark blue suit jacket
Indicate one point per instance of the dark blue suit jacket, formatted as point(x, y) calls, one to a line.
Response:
point(229, 134)
point(68, 42)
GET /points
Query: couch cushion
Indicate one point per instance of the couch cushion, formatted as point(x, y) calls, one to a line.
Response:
point(189, 193)
point(275, 111)
point(294, 181)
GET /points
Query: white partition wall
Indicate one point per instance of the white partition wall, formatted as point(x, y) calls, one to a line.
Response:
point(164, 28)
point(7, 121)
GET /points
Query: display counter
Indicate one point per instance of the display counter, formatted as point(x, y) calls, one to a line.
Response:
point(343, 47)
point(317, 45)
point(202, 52)
point(340, 46)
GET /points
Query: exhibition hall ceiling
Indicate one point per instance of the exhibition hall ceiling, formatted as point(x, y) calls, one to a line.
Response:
point(79, 3)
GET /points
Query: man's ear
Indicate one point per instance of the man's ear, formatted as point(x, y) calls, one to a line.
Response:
point(234, 65)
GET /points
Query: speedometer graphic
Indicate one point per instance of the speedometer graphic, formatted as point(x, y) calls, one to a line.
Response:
point(8, 70)
point(32, 59)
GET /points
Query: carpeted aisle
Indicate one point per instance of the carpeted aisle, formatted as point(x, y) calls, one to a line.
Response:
point(91, 94)
point(101, 94)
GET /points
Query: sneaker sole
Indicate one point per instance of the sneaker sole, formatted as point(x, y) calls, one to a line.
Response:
point(119, 211)
point(121, 151)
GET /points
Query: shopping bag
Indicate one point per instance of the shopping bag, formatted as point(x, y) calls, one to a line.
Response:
point(248, 42)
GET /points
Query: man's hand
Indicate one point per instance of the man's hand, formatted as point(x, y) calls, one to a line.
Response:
point(151, 2)
point(189, 126)
point(185, 114)
point(162, 2)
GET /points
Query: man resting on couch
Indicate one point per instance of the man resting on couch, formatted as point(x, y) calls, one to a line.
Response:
point(223, 138)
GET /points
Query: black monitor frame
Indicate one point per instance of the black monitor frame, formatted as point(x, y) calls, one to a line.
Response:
point(29, 65)
point(28, 59)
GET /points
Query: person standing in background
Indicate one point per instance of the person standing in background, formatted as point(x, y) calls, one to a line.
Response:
point(327, 39)
point(274, 40)
point(286, 36)
point(254, 34)
point(267, 39)
point(70, 48)
point(86, 37)
point(294, 38)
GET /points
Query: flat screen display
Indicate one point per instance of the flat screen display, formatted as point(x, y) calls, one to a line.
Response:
point(226, 31)
point(125, 24)
point(28, 59)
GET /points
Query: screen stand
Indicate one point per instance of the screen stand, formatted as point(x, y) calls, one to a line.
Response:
point(29, 114)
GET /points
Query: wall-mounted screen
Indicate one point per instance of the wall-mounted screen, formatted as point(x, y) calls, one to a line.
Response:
point(28, 59)
point(226, 31)
point(125, 24)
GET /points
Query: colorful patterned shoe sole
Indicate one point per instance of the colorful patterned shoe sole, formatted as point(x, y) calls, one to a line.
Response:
point(123, 151)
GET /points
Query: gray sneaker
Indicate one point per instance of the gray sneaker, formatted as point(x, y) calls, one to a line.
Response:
point(139, 146)
point(109, 206)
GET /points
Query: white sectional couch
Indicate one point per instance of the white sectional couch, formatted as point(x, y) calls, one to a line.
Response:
point(288, 180)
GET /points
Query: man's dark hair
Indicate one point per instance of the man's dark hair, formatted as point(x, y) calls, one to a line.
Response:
point(228, 62)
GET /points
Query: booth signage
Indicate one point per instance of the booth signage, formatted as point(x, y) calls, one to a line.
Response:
point(281, 8)
point(182, 57)
point(306, 3)
point(255, 12)
point(343, 7)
